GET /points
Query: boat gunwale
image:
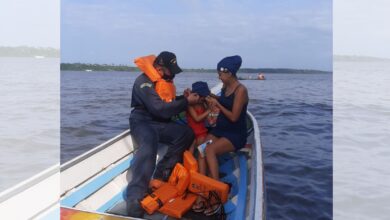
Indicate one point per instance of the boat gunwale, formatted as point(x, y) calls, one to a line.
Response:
point(259, 195)
point(94, 151)
point(28, 183)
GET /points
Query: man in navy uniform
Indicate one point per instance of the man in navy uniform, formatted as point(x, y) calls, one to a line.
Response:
point(150, 124)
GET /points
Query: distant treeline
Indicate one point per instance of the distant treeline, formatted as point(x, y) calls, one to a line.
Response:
point(350, 58)
point(112, 67)
point(96, 67)
point(24, 51)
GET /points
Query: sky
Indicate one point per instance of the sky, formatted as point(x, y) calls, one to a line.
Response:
point(266, 34)
point(30, 23)
point(361, 27)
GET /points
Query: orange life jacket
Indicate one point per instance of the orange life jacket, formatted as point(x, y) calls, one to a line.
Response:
point(180, 177)
point(178, 206)
point(158, 198)
point(202, 185)
point(190, 162)
point(166, 90)
point(176, 186)
point(176, 197)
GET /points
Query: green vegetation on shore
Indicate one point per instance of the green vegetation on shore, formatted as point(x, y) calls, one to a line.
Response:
point(25, 51)
point(96, 67)
point(106, 67)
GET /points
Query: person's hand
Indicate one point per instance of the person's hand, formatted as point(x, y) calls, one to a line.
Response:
point(186, 92)
point(192, 98)
point(212, 102)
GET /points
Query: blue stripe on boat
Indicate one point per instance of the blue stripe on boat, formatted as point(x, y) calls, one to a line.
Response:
point(232, 179)
point(119, 197)
point(227, 167)
point(85, 191)
point(241, 201)
point(229, 207)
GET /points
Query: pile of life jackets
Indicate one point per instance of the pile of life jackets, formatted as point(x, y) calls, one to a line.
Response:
point(176, 197)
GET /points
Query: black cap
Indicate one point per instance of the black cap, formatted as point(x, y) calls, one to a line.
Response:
point(168, 60)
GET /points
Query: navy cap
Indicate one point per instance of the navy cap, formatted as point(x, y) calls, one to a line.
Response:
point(201, 88)
point(231, 64)
point(168, 60)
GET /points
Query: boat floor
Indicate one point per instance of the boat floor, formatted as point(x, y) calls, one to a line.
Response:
point(120, 210)
point(229, 172)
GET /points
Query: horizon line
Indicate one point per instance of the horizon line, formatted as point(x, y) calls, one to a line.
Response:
point(59, 49)
point(204, 68)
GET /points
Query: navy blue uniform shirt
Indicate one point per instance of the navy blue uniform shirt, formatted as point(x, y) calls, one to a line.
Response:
point(148, 105)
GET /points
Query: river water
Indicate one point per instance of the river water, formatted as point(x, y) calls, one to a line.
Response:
point(361, 140)
point(294, 112)
point(29, 117)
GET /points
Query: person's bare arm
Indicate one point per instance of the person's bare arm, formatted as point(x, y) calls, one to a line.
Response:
point(198, 118)
point(241, 98)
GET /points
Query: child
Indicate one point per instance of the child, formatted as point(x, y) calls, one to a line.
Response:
point(197, 113)
point(214, 112)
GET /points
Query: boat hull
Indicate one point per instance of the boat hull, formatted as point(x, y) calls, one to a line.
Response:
point(96, 181)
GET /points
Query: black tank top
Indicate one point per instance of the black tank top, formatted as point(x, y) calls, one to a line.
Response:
point(223, 123)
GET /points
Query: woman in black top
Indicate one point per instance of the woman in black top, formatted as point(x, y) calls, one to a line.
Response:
point(230, 132)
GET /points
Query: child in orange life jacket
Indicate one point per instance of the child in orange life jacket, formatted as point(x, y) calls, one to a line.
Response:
point(197, 114)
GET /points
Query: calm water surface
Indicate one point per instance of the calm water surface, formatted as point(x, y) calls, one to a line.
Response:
point(362, 140)
point(294, 112)
point(29, 117)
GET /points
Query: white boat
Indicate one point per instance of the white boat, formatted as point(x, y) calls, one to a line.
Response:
point(96, 181)
point(35, 198)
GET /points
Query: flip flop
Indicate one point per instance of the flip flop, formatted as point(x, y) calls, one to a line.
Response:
point(215, 208)
point(199, 207)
